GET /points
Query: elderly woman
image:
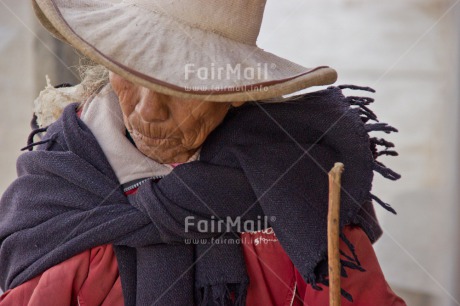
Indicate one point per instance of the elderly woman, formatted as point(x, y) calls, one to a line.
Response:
point(183, 177)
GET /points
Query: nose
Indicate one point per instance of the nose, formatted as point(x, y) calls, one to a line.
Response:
point(153, 106)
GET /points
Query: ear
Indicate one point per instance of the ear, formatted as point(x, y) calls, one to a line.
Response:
point(237, 104)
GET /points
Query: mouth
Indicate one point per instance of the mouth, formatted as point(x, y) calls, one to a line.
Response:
point(150, 140)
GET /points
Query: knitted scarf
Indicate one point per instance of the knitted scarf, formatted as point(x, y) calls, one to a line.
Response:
point(265, 159)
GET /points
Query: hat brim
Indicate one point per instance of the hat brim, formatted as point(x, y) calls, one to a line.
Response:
point(170, 57)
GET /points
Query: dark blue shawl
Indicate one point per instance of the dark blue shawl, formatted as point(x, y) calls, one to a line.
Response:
point(265, 159)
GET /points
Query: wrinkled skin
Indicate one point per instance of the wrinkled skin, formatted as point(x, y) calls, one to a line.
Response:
point(165, 128)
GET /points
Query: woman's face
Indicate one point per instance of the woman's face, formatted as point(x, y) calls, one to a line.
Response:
point(165, 128)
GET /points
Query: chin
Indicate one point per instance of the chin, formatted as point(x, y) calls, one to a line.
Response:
point(167, 155)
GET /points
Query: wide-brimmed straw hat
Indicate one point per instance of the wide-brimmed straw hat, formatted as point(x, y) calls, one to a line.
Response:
point(187, 48)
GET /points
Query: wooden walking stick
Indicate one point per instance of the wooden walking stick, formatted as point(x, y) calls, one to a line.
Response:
point(333, 230)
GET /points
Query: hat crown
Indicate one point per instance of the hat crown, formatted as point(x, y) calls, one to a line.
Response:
point(239, 20)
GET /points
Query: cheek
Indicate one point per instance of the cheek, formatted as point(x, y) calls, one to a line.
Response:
point(128, 102)
point(128, 97)
point(198, 126)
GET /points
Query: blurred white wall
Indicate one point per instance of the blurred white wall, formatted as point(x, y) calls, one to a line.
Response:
point(407, 50)
point(16, 83)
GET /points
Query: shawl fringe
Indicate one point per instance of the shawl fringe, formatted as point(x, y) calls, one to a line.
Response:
point(366, 114)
